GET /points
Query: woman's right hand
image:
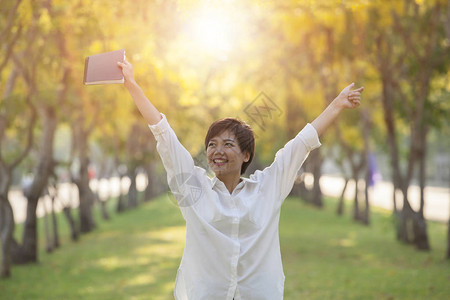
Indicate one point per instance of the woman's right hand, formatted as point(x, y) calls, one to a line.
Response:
point(127, 71)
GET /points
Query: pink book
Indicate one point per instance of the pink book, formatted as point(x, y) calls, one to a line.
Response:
point(103, 69)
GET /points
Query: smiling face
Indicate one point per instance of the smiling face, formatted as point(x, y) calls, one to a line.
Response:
point(225, 157)
point(241, 141)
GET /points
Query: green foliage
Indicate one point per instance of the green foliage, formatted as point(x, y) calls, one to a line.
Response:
point(300, 53)
point(17, 119)
point(137, 253)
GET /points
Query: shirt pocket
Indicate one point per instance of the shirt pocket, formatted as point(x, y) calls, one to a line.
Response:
point(255, 211)
point(209, 209)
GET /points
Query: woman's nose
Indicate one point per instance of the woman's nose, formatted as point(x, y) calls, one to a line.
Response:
point(219, 149)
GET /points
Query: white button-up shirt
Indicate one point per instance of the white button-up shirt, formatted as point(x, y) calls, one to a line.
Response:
point(232, 246)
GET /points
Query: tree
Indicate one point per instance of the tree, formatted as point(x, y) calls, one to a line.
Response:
point(51, 98)
point(7, 165)
point(11, 158)
point(407, 58)
point(139, 152)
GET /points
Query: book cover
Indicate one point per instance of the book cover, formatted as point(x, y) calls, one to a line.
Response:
point(103, 69)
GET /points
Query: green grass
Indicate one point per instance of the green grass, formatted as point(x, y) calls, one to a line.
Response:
point(135, 255)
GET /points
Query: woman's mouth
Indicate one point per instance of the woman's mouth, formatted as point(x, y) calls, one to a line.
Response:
point(219, 162)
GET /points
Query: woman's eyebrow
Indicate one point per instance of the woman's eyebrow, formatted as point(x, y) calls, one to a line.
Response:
point(228, 140)
point(225, 140)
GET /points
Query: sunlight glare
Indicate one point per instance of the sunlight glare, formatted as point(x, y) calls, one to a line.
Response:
point(210, 31)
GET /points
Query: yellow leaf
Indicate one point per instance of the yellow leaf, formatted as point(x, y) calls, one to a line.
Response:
point(45, 21)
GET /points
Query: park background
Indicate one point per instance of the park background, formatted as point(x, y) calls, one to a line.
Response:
point(83, 159)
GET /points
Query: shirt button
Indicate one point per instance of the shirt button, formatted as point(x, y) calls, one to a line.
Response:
point(235, 220)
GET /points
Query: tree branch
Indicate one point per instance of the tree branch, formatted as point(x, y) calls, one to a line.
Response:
point(30, 134)
point(10, 47)
point(12, 13)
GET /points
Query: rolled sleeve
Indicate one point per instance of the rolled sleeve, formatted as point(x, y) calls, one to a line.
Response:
point(161, 127)
point(310, 137)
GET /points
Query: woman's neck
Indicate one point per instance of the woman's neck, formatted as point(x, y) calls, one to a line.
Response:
point(230, 181)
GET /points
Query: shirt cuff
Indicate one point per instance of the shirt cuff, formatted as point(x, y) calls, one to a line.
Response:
point(160, 127)
point(310, 137)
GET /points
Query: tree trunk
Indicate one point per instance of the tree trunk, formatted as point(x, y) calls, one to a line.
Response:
point(103, 194)
point(121, 201)
point(56, 243)
point(28, 251)
point(406, 232)
point(420, 232)
point(121, 206)
point(396, 212)
point(448, 239)
point(150, 189)
point(86, 196)
point(87, 223)
point(413, 227)
point(403, 233)
point(404, 217)
point(74, 233)
point(356, 200)
point(6, 221)
point(366, 153)
point(394, 198)
point(296, 190)
point(366, 215)
point(104, 210)
point(317, 173)
point(132, 191)
point(6, 234)
point(301, 189)
point(48, 237)
point(102, 199)
point(340, 207)
point(420, 225)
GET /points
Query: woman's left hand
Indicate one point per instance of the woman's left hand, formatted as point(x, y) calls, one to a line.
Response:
point(127, 71)
point(349, 98)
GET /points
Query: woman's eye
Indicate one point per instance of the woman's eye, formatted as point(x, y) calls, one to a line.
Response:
point(229, 144)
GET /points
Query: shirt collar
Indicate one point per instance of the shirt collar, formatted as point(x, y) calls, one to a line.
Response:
point(216, 180)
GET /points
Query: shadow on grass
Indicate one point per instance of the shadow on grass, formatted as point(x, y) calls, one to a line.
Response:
point(331, 257)
point(135, 255)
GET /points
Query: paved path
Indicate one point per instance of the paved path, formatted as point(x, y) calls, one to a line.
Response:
point(437, 200)
point(67, 194)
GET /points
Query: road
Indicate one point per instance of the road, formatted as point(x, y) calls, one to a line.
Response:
point(437, 199)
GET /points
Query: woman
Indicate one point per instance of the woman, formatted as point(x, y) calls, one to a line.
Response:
point(232, 246)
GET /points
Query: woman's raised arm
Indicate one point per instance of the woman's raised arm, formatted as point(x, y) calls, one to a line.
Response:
point(147, 109)
point(348, 98)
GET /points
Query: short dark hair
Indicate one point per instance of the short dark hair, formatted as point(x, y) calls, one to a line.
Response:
point(241, 130)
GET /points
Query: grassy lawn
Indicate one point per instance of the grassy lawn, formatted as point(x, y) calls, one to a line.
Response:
point(135, 255)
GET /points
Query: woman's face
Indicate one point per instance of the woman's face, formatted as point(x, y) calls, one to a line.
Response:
point(224, 155)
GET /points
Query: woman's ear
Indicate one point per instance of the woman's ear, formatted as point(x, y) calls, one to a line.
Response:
point(246, 156)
